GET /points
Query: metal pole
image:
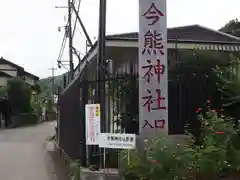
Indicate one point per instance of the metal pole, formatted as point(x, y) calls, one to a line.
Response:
point(53, 84)
point(100, 94)
point(83, 27)
point(70, 39)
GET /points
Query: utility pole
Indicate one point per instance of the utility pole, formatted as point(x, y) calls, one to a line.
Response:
point(53, 82)
point(70, 4)
point(101, 71)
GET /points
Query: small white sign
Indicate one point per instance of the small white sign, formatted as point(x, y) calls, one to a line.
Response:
point(92, 123)
point(117, 141)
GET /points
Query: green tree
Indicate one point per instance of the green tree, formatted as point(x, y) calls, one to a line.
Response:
point(37, 89)
point(232, 27)
point(49, 105)
point(36, 104)
point(19, 96)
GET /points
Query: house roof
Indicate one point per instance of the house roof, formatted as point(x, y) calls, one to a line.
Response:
point(3, 74)
point(4, 61)
point(32, 75)
point(192, 33)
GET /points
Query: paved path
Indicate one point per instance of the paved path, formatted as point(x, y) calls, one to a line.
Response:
point(22, 154)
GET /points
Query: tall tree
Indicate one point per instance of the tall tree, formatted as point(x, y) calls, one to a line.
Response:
point(232, 27)
point(19, 96)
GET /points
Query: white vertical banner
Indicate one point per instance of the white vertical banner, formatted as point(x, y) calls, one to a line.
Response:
point(92, 123)
point(153, 68)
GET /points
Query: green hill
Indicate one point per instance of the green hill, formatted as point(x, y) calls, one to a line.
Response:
point(47, 85)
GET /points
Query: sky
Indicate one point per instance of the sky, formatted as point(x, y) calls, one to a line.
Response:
point(29, 33)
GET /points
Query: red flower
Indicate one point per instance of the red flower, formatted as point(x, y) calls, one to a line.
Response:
point(219, 132)
point(209, 107)
point(213, 110)
point(208, 101)
point(155, 161)
point(198, 110)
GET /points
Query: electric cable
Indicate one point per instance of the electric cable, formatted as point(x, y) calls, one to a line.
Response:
point(75, 23)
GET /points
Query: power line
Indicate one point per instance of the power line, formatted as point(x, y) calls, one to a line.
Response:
point(75, 23)
point(64, 39)
point(77, 53)
point(70, 34)
point(80, 32)
point(63, 44)
point(82, 26)
point(62, 47)
point(88, 40)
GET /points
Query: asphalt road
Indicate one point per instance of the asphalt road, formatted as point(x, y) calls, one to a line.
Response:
point(22, 153)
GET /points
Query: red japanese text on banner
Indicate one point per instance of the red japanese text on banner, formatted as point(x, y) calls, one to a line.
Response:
point(153, 68)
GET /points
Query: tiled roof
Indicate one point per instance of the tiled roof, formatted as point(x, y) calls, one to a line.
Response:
point(188, 33)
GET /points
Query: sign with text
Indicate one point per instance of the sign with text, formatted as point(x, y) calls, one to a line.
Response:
point(117, 141)
point(153, 68)
point(92, 123)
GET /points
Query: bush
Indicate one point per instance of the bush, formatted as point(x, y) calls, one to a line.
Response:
point(228, 83)
point(24, 119)
point(28, 119)
point(215, 156)
point(75, 167)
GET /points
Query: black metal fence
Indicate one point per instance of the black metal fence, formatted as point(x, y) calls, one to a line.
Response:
point(186, 94)
point(188, 89)
point(71, 122)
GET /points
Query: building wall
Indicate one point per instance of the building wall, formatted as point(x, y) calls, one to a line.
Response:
point(30, 80)
point(125, 59)
point(12, 71)
point(3, 81)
